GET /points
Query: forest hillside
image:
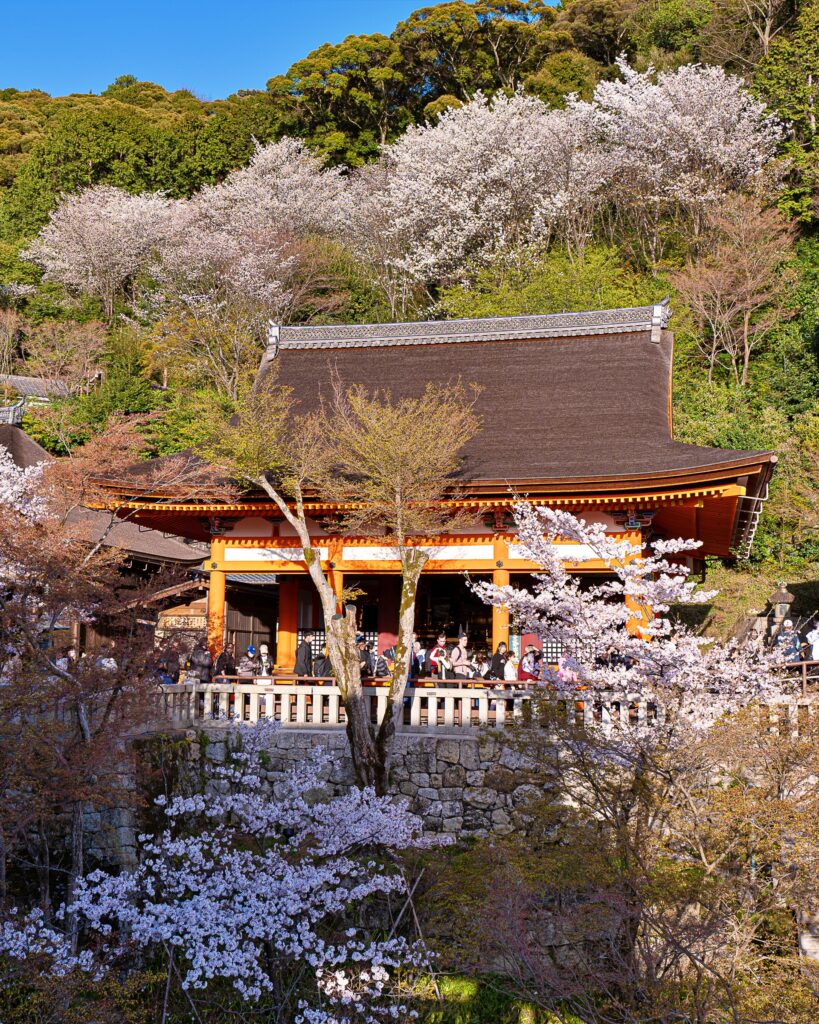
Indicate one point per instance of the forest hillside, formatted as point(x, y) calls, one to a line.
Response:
point(496, 157)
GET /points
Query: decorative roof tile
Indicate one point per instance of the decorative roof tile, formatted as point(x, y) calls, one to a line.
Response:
point(441, 332)
point(33, 387)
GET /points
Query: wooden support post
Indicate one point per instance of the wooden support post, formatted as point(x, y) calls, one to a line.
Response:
point(336, 576)
point(640, 615)
point(288, 622)
point(500, 577)
point(216, 612)
point(637, 620)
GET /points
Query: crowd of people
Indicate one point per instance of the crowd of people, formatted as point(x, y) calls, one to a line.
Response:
point(439, 660)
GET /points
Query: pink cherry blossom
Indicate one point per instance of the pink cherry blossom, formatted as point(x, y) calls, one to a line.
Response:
point(690, 680)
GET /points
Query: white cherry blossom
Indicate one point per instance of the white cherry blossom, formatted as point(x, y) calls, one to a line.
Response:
point(244, 887)
point(691, 680)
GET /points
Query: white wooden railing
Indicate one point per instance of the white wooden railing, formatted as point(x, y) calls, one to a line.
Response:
point(317, 705)
point(13, 413)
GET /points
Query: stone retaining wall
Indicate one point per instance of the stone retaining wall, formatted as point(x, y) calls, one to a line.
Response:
point(459, 784)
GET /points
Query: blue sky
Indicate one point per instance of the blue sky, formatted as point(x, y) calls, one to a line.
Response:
point(211, 48)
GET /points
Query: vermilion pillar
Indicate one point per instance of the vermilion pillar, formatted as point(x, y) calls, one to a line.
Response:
point(288, 622)
point(337, 583)
point(639, 615)
point(500, 577)
point(216, 612)
point(334, 575)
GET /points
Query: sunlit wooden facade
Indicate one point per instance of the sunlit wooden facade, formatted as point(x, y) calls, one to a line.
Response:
point(576, 412)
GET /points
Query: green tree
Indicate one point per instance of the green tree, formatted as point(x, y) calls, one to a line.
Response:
point(550, 283)
point(178, 423)
point(788, 78)
point(457, 48)
point(672, 29)
point(137, 137)
point(568, 71)
point(347, 98)
point(602, 29)
point(22, 116)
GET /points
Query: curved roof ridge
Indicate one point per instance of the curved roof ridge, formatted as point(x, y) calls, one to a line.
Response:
point(624, 320)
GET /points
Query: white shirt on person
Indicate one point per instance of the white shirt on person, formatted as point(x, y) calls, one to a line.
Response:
point(813, 639)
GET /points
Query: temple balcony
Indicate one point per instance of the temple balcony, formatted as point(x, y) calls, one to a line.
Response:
point(315, 704)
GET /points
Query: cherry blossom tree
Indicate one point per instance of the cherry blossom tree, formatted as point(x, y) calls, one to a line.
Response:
point(620, 632)
point(265, 896)
point(244, 252)
point(623, 814)
point(678, 142)
point(284, 188)
point(235, 240)
point(19, 487)
point(479, 178)
point(647, 149)
point(65, 720)
point(98, 240)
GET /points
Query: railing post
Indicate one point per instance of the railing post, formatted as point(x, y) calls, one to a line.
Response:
point(500, 711)
point(301, 707)
point(381, 706)
point(333, 702)
point(432, 710)
point(318, 705)
point(449, 711)
point(483, 709)
point(253, 709)
point(415, 708)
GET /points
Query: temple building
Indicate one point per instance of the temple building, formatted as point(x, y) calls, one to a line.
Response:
point(576, 414)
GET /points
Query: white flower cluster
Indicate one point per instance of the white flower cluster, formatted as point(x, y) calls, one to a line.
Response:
point(26, 938)
point(19, 487)
point(690, 680)
point(245, 887)
point(496, 173)
point(99, 238)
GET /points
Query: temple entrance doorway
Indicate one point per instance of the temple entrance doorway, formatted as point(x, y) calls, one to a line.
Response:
point(251, 613)
point(444, 603)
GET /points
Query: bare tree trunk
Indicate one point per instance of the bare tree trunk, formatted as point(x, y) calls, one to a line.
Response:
point(44, 872)
point(413, 562)
point(344, 657)
point(746, 348)
point(340, 630)
point(3, 859)
point(75, 871)
point(734, 366)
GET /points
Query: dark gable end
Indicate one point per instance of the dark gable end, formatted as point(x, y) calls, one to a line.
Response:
point(564, 397)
